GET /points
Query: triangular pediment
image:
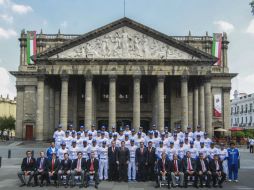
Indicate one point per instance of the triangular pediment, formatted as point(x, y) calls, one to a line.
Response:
point(125, 39)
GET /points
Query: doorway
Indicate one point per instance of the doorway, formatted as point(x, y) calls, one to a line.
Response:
point(29, 132)
point(122, 122)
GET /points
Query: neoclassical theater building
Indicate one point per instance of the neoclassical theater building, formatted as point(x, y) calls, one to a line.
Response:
point(122, 73)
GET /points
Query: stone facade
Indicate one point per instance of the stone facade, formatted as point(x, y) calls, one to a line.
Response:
point(122, 73)
point(7, 107)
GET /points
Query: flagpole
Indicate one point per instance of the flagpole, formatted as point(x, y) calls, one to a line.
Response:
point(124, 8)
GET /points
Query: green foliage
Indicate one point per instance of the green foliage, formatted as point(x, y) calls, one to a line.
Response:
point(252, 6)
point(7, 123)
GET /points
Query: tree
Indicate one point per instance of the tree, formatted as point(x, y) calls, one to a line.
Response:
point(7, 123)
point(252, 6)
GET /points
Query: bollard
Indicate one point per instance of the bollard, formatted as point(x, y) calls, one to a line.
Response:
point(0, 162)
point(32, 153)
point(9, 153)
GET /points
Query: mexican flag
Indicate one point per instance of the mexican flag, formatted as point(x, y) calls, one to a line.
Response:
point(217, 105)
point(30, 46)
point(216, 49)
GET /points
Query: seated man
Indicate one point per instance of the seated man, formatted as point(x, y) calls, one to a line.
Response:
point(92, 170)
point(176, 170)
point(217, 171)
point(163, 170)
point(53, 165)
point(64, 169)
point(78, 168)
point(27, 168)
point(203, 170)
point(189, 168)
point(41, 169)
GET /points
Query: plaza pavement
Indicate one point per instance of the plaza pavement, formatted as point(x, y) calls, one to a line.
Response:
point(9, 180)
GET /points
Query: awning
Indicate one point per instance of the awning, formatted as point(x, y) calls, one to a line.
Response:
point(236, 129)
point(220, 130)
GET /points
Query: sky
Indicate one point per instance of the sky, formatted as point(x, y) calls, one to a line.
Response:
point(172, 17)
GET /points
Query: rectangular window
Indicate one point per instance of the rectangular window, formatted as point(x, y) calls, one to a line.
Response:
point(104, 92)
point(123, 93)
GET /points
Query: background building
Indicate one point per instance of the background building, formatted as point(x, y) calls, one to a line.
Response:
point(122, 73)
point(242, 110)
point(7, 107)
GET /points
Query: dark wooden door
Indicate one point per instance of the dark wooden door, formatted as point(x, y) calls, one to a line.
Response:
point(29, 132)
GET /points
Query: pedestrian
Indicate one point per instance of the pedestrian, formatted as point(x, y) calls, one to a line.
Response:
point(233, 159)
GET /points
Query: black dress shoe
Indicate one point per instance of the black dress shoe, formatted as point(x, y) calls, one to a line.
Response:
point(96, 186)
point(220, 186)
point(41, 185)
point(34, 185)
point(22, 185)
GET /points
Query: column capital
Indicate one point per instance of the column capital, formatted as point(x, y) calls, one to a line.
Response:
point(136, 77)
point(88, 77)
point(161, 78)
point(20, 87)
point(112, 77)
point(207, 79)
point(226, 89)
point(64, 77)
point(184, 78)
point(41, 77)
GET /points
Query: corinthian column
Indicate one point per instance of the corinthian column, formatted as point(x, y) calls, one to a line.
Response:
point(40, 106)
point(184, 96)
point(195, 107)
point(88, 102)
point(136, 102)
point(161, 102)
point(64, 102)
point(112, 101)
point(201, 106)
point(208, 108)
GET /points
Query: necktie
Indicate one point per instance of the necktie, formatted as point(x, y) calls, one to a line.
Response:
point(113, 149)
point(41, 163)
point(52, 167)
point(176, 168)
point(163, 165)
point(217, 166)
point(27, 160)
point(189, 164)
point(91, 166)
point(203, 166)
point(79, 165)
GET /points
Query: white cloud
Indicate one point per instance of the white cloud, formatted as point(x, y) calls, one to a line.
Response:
point(6, 18)
point(4, 2)
point(6, 34)
point(246, 84)
point(21, 9)
point(6, 85)
point(64, 24)
point(224, 26)
point(250, 28)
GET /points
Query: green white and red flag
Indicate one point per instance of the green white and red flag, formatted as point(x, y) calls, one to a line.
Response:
point(30, 46)
point(216, 49)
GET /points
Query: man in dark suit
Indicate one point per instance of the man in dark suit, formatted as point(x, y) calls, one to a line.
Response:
point(78, 168)
point(163, 169)
point(122, 160)
point(92, 166)
point(53, 165)
point(151, 159)
point(27, 168)
point(217, 171)
point(203, 170)
point(64, 169)
point(41, 169)
point(141, 162)
point(189, 169)
point(176, 167)
point(112, 156)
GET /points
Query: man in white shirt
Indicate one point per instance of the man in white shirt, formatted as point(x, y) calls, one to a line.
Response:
point(171, 151)
point(93, 130)
point(212, 151)
point(199, 132)
point(193, 151)
point(67, 139)
point(103, 129)
point(103, 161)
point(94, 148)
point(159, 150)
point(132, 162)
point(207, 140)
point(61, 151)
point(85, 149)
point(181, 151)
point(197, 142)
point(58, 136)
point(203, 150)
point(127, 130)
point(223, 155)
point(190, 133)
point(73, 150)
point(139, 139)
point(251, 141)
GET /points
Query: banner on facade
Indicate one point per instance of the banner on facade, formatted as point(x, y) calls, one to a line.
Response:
point(216, 48)
point(217, 105)
point(30, 46)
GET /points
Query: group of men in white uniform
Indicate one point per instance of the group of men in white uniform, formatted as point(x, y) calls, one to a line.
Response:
point(98, 141)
